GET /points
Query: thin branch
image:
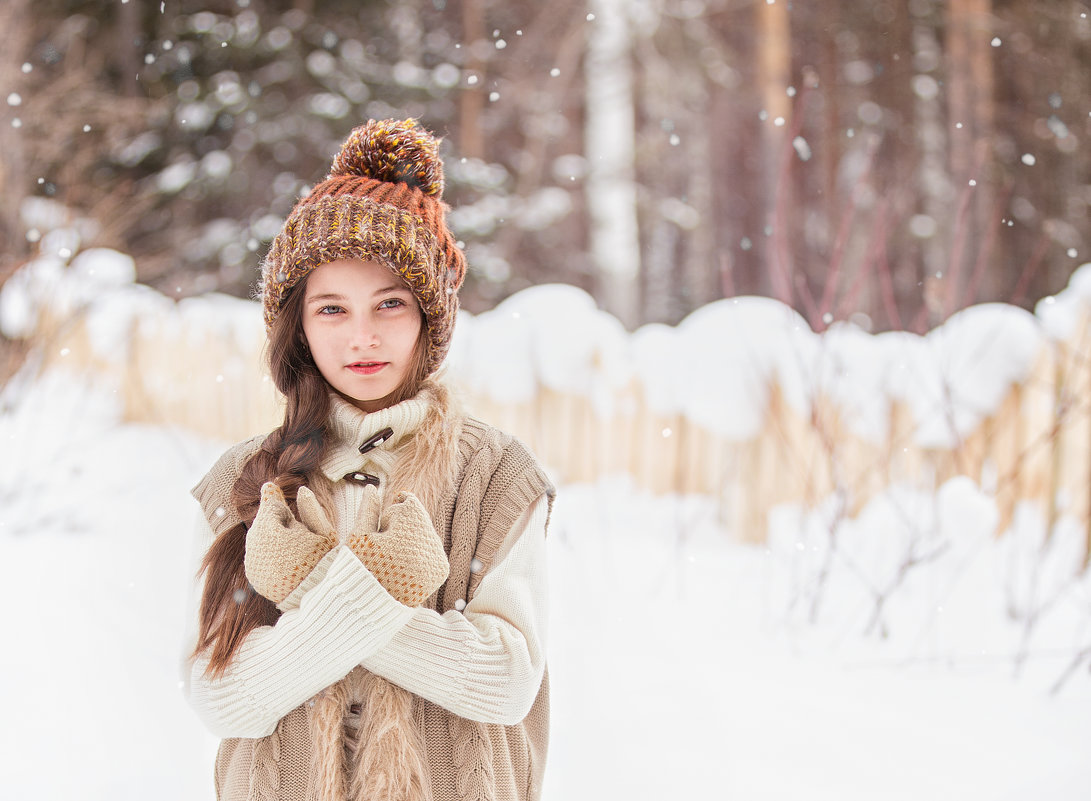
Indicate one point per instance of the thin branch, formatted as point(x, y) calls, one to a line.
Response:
point(847, 218)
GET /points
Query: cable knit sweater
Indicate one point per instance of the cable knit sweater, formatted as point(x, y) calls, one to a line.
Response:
point(475, 659)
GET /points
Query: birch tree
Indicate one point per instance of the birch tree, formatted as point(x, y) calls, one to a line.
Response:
point(610, 151)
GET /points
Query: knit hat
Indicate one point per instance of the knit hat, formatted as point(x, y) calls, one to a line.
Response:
point(382, 201)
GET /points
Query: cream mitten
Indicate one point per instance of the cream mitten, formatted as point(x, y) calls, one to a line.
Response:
point(280, 550)
point(403, 550)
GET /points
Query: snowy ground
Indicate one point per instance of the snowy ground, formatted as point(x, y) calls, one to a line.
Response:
point(683, 665)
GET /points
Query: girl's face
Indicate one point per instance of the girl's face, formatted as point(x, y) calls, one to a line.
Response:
point(361, 324)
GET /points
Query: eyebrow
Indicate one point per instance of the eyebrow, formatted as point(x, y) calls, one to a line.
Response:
point(393, 288)
point(336, 296)
point(323, 298)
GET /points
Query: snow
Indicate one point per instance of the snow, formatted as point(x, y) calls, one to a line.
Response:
point(178, 176)
point(975, 356)
point(911, 651)
point(23, 295)
point(652, 662)
point(670, 645)
point(43, 213)
point(857, 372)
point(677, 651)
point(105, 267)
point(1061, 313)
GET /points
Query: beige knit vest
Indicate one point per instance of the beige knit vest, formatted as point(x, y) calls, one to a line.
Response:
point(497, 481)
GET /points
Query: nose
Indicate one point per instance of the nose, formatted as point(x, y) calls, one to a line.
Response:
point(365, 335)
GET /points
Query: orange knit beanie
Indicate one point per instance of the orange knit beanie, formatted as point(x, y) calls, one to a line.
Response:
point(382, 201)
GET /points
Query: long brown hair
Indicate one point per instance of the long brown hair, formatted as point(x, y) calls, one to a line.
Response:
point(230, 608)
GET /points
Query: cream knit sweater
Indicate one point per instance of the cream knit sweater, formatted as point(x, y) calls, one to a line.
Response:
point(484, 663)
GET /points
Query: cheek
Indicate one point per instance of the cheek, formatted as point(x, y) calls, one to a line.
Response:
point(411, 332)
point(318, 341)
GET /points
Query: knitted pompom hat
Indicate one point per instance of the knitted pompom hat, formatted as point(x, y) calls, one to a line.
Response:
point(382, 201)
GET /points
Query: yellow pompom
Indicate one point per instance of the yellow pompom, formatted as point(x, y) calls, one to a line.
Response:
point(396, 151)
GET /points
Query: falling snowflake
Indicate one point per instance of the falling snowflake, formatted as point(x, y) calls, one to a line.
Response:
point(803, 149)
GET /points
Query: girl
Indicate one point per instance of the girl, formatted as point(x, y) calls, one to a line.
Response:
point(373, 604)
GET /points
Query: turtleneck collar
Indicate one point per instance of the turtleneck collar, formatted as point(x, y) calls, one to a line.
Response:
point(349, 428)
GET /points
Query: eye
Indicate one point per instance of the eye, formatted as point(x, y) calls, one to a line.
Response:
point(329, 310)
point(392, 303)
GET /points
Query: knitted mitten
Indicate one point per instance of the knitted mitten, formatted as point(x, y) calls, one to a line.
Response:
point(280, 550)
point(402, 550)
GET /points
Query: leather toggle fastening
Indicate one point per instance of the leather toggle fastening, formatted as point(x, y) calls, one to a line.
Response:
point(360, 477)
point(370, 444)
point(375, 440)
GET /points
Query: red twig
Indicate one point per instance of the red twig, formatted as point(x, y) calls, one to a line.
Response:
point(1031, 268)
point(838, 255)
point(886, 289)
point(986, 248)
point(919, 321)
point(875, 252)
point(727, 279)
point(782, 271)
point(954, 261)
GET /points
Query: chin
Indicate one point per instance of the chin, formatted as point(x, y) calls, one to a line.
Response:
point(369, 403)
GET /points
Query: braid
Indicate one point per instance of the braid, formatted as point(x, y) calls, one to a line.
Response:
point(230, 608)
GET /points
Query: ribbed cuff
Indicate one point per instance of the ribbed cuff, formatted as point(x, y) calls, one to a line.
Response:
point(309, 583)
point(491, 680)
point(343, 619)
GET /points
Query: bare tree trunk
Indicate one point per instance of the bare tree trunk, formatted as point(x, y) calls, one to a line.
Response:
point(611, 151)
point(934, 184)
point(699, 267)
point(774, 74)
point(15, 35)
point(660, 276)
point(981, 71)
point(829, 73)
point(128, 56)
point(471, 144)
point(969, 81)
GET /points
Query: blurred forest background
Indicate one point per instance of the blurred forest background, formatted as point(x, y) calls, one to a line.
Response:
point(885, 162)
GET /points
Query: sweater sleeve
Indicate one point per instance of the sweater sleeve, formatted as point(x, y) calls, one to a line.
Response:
point(279, 667)
point(485, 663)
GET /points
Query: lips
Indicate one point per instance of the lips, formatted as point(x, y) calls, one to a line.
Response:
point(366, 368)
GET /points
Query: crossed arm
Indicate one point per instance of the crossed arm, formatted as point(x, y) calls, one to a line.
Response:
point(484, 663)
